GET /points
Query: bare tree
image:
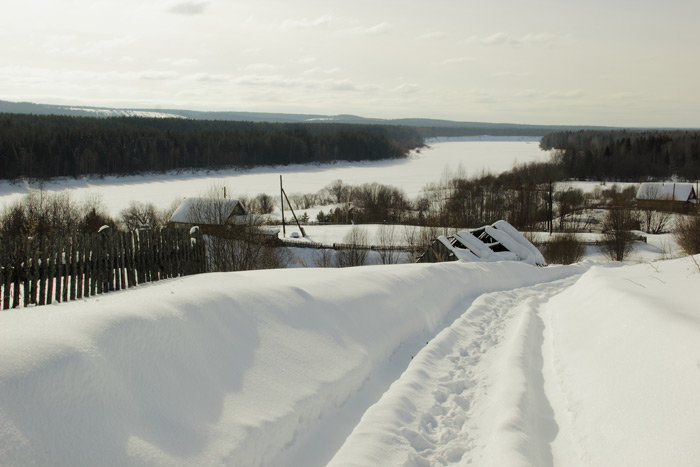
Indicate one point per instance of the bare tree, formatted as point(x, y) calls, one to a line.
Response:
point(324, 258)
point(654, 221)
point(617, 226)
point(139, 214)
point(571, 205)
point(687, 234)
point(386, 234)
point(355, 252)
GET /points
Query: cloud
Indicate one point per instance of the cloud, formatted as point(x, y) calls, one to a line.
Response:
point(318, 71)
point(539, 94)
point(503, 38)
point(305, 23)
point(458, 60)
point(259, 67)
point(432, 36)
point(156, 75)
point(189, 8)
point(377, 29)
point(407, 88)
point(179, 62)
point(498, 38)
point(304, 82)
point(209, 78)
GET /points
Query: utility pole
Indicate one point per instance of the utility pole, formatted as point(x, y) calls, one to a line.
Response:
point(283, 195)
point(284, 230)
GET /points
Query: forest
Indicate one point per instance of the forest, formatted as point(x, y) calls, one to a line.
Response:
point(626, 155)
point(41, 147)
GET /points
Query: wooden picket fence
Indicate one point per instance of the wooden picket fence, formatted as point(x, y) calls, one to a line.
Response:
point(40, 271)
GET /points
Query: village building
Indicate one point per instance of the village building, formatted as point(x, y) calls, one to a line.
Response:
point(216, 216)
point(497, 242)
point(669, 196)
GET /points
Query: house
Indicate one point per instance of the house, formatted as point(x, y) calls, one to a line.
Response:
point(667, 196)
point(497, 242)
point(208, 212)
point(216, 216)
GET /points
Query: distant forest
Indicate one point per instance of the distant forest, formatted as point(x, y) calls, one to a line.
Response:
point(42, 147)
point(626, 155)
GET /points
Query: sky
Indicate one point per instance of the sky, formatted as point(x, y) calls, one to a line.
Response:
point(613, 62)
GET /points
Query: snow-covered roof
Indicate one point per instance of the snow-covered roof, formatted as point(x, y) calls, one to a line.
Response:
point(497, 242)
point(667, 192)
point(208, 211)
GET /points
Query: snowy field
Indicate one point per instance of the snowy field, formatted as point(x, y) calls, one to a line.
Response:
point(414, 364)
point(427, 165)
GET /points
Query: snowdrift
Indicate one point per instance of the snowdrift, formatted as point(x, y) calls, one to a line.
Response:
point(222, 369)
point(597, 370)
point(625, 376)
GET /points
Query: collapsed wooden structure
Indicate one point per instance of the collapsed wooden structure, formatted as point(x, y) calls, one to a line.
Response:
point(497, 242)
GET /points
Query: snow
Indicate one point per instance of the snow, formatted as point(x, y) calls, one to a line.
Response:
point(625, 365)
point(488, 363)
point(423, 166)
point(512, 365)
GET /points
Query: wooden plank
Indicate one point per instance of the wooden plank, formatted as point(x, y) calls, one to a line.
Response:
point(43, 271)
point(85, 265)
point(129, 258)
point(74, 249)
point(27, 274)
point(79, 266)
point(50, 270)
point(4, 285)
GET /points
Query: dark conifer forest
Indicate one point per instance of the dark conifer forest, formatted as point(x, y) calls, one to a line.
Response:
point(626, 155)
point(42, 147)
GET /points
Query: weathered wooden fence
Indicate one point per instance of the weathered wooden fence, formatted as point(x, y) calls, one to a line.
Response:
point(40, 271)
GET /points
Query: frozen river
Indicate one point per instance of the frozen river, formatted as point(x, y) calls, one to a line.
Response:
point(427, 165)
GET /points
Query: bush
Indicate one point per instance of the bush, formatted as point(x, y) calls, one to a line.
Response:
point(688, 234)
point(564, 249)
point(617, 227)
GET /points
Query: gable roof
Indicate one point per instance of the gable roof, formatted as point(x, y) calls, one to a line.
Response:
point(667, 192)
point(208, 211)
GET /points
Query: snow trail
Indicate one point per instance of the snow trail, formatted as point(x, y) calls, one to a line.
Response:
point(474, 395)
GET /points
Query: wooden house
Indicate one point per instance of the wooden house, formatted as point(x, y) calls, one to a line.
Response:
point(667, 196)
point(218, 217)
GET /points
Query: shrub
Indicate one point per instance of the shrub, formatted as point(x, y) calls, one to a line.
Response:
point(617, 226)
point(688, 234)
point(564, 249)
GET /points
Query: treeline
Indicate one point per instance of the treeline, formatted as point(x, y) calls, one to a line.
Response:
point(626, 155)
point(523, 196)
point(42, 147)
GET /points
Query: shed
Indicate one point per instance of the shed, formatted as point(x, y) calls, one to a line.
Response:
point(497, 242)
point(667, 196)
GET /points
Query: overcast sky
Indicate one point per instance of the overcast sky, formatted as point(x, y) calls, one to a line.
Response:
point(612, 62)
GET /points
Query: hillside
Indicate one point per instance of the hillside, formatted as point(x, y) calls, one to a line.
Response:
point(428, 127)
point(499, 364)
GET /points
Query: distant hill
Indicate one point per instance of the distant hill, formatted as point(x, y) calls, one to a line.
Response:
point(427, 127)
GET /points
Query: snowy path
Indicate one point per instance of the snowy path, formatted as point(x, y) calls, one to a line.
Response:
point(473, 395)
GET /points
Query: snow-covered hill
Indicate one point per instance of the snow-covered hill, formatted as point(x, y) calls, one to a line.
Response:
point(499, 363)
